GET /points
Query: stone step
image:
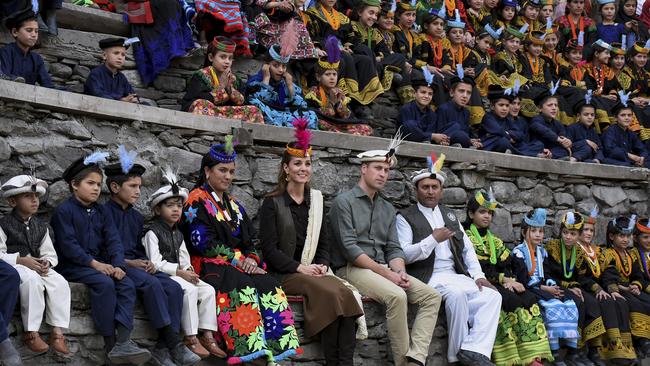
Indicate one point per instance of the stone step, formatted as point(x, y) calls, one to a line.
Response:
point(92, 20)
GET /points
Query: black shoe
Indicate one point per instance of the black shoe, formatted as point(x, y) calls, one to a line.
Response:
point(51, 23)
point(558, 361)
point(183, 356)
point(470, 358)
point(128, 352)
point(595, 357)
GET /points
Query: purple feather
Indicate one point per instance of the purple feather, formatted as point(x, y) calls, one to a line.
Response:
point(332, 49)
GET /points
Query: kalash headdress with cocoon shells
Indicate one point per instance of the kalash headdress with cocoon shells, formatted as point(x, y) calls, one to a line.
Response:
point(333, 58)
point(433, 170)
point(643, 225)
point(644, 50)
point(80, 164)
point(496, 34)
point(488, 202)
point(170, 190)
point(623, 224)
point(457, 22)
point(301, 147)
point(572, 220)
point(593, 215)
point(407, 5)
point(388, 155)
point(288, 43)
point(224, 153)
point(537, 218)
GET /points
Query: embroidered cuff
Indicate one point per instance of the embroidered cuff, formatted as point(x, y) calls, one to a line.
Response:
point(612, 288)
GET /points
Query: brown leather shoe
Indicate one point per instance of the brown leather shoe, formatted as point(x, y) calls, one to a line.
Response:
point(35, 343)
point(57, 341)
point(195, 346)
point(211, 345)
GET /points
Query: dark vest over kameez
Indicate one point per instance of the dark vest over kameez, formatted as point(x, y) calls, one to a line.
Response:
point(23, 237)
point(169, 240)
point(422, 270)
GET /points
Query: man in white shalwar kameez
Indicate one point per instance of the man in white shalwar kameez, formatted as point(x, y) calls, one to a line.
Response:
point(439, 253)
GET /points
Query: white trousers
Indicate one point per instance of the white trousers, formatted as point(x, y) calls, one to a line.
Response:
point(38, 294)
point(472, 314)
point(199, 307)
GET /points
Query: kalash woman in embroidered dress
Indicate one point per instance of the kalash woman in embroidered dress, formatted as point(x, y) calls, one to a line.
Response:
point(296, 245)
point(637, 57)
point(559, 311)
point(566, 266)
point(616, 345)
point(329, 101)
point(521, 335)
point(622, 281)
point(506, 64)
point(358, 75)
point(212, 91)
point(253, 315)
point(576, 25)
point(273, 91)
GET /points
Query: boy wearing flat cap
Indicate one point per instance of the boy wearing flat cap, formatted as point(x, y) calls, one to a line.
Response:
point(25, 243)
point(107, 80)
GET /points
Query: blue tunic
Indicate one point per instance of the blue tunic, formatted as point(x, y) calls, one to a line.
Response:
point(578, 134)
point(162, 297)
point(9, 282)
point(453, 121)
point(617, 143)
point(494, 133)
point(417, 124)
point(276, 104)
point(610, 33)
point(30, 66)
point(102, 83)
point(547, 132)
point(519, 133)
point(83, 234)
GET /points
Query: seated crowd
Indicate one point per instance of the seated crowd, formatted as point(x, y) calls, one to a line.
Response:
point(209, 289)
point(540, 78)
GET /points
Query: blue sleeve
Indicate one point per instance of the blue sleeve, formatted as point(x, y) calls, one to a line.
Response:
point(112, 240)
point(637, 146)
point(66, 243)
point(612, 148)
point(571, 133)
point(412, 126)
point(542, 132)
point(44, 78)
point(5, 61)
point(490, 126)
point(517, 131)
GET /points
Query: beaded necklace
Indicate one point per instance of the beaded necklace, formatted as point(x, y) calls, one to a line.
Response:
point(568, 270)
point(621, 263)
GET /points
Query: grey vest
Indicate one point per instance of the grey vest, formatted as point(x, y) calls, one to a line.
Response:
point(421, 228)
point(169, 240)
point(23, 238)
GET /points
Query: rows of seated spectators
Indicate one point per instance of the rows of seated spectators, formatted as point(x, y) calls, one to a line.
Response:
point(553, 79)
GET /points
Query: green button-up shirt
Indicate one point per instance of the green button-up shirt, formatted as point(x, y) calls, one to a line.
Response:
point(359, 225)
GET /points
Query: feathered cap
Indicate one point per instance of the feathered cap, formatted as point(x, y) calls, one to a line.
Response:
point(222, 153)
point(617, 48)
point(514, 91)
point(593, 215)
point(641, 47)
point(549, 26)
point(16, 19)
point(426, 79)
point(496, 34)
point(407, 5)
point(170, 190)
point(622, 224)
point(332, 61)
point(433, 170)
point(224, 44)
point(605, 2)
point(510, 3)
point(80, 164)
point(496, 92)
point(587, 101)
point(573, 44)
point(457, 22)
point(300, 147)
point(117, 42)
point(643, 226)
point(388, 155)
point(23, 184)
point(572, 220)
point(518, 33)
point(533, 3)
point(486, 199)
point(126, 166)
point(544, 95)
point(440, 13)
point(461, 77)
point(388, 8)
point(547, 2)
point(288, 43)
point(623, 102)
point(537, 218)
point(602, 44)
point(536, 37)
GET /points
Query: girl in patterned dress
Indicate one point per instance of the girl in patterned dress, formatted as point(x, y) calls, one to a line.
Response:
point(212, 91)
point(253, 315)
point(521, 335)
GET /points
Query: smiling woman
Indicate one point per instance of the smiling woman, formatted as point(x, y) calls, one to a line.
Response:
point(254, 317)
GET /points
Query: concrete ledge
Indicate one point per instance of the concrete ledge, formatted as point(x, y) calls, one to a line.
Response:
point(94, 20)
point(113, 110)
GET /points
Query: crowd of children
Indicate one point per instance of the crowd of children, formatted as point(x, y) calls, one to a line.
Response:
point(540, 78)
